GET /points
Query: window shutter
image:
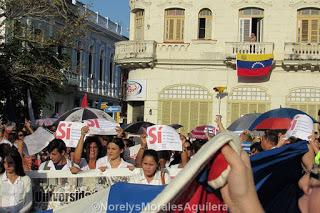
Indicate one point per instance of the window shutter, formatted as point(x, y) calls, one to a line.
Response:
point(165, 112)
point(208, 28)
point(184, 120)
point(204, 112)
point(314, 30)
point(194, 114)
point(234, 111)
point(178, 30)
point(304, 30)
point(245, 29)
point(175, 112)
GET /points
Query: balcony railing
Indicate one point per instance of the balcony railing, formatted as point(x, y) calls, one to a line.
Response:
point(93, 86)
point(135, 53)
point(232, 48)
point(301, 51)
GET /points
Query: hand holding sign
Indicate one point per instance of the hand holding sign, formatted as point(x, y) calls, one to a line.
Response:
point(162, 137)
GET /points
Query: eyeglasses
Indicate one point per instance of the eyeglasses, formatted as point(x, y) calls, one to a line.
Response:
point(189, 148)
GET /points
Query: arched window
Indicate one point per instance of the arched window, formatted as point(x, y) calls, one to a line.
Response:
point(308, 25)
point(90, 64)
point(187, 104)
point(101, 66)
point(306, 99)
point(205, 24)
point(251, 24)
point(174, 25)
point(139, 25)
point(243, 100)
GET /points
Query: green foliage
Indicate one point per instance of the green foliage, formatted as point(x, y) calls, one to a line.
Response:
point(32, 57)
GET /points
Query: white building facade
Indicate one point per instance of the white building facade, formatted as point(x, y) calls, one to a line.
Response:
point(179, 50)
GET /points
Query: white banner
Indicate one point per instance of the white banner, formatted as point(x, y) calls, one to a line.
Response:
point(136, 90)
point(101, 127)
point(301, 127)
point(37, 141)
point(162, 137)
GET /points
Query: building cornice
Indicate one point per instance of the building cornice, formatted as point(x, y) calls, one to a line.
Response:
point(251, 3)
point(175, 3)
point(304, 3)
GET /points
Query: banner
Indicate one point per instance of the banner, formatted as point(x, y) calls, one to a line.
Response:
point(37, 141)
point(162, 137)
point(55, 189)
point(101, 127)
point(254, 65)
point(136, 90)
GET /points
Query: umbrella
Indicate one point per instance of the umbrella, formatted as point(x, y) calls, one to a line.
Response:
point(176, 126)
point(80, 114)
point(244, 122)
point(200, 132)
point(45, 121)
point(276, 119)
point(136, 128)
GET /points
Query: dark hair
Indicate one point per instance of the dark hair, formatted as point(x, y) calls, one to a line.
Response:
point(129, 142)
point(14, 156)
point(271, 137)
point(57, 144)
point(88, 142)
point(118, 141)
point(151, 153)
point(256, 146)
point(197, 144)
point(4, 149)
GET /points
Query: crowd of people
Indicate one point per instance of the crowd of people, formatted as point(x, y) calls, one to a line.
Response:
point(109, 152)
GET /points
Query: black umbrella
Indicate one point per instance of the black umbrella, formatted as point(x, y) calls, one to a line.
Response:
point(243, 122)
point(80, 114)
point(176, 126)
point(137, 128)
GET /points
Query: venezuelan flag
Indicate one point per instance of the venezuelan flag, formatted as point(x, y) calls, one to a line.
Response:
point(254, 64)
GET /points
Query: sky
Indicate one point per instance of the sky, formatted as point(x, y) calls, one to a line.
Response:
point(116, 10)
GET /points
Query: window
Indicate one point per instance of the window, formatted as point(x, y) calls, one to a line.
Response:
point(174, 25)
point(188, 105)
point(90, 64)
point(306, 99)
point(308, 25)
point(244, 100)
point(205, 24)
point(251, 22)
point(78, 57)
point(101, 66)
point(111, 69)
point(139, 25)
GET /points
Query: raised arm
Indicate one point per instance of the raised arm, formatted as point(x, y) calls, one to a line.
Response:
point(143, 138)
point(79, 148)
point(184, 153)
point(219, 123)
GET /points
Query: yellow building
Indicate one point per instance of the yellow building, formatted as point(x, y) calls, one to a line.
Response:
point(179, 50)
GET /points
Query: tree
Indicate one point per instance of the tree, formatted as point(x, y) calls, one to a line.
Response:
point(33, 58)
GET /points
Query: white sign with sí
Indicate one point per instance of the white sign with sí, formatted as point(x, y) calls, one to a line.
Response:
point(69, 132)
point(301, 127)
point(101, 127)
point(162, 137)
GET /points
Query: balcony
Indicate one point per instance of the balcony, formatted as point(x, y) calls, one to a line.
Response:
point(93, 86)
point(137, 4)
point(301, 56)
point(135, 54)
point(233, 48)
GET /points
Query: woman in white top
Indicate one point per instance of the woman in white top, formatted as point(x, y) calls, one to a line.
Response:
point(15, 186)
point(92, 150)
point(150, 172)
point(114, 158)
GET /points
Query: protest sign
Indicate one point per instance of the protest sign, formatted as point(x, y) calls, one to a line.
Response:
point(301, 127)
point(162, 137)
point(37, 141)
point(101, 127)
point(69, 132)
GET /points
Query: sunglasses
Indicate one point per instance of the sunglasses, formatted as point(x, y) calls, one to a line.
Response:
point(189, 148)
point(20, 135)
point(9, 163)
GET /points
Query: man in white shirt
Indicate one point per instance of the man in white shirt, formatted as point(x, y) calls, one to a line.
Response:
point(58, 161)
